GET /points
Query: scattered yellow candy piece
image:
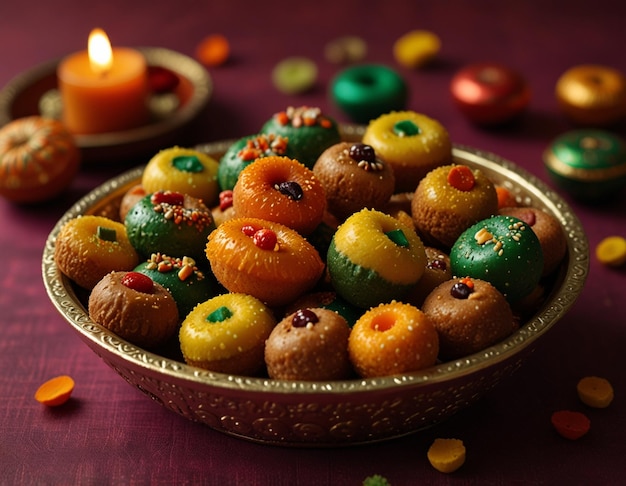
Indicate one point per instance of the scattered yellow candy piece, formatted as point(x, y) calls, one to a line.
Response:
point(446, 455)
point(416, 48)
point(595, 392)
point(612, 251)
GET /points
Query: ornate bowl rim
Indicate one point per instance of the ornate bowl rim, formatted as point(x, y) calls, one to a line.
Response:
point(572, 278)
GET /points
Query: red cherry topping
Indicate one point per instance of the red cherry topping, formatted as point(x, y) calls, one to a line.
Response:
point(461, 177)
point(168, 197)
point(139, 282)
point(248, 230)
point(265, 239)
point(226, 199)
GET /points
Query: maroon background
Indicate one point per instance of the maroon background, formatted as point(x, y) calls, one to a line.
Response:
point(110, 432)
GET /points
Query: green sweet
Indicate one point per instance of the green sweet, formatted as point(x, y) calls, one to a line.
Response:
point(198, 287)
point(309, 132)
point(502, 250)
point(150, 229)
point(245, 151)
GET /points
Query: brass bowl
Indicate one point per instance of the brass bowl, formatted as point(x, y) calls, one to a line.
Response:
point(336, 413)
point(35, 92)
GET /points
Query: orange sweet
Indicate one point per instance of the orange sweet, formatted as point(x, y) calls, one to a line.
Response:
point(392, 338)
point(264, 259)
point(282, 190)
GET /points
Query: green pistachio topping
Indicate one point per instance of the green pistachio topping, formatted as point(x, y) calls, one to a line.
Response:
point(398, 237)
point(187, 163)
point(219, 315)
point(107, 234)
point(406, 128)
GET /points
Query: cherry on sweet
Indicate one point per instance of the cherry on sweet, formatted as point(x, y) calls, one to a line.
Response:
point(265, 239)
point(139, 282)
point(460, 290)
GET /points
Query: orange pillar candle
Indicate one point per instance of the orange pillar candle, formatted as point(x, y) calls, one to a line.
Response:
point(103, 89)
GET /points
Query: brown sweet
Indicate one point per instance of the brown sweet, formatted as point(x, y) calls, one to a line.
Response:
point(146, 317)
point(309, 344)
point(130, 198)
point(548, 231)
point(469, 315)
point(442, 208)
point(354, 178)
point(89, 247)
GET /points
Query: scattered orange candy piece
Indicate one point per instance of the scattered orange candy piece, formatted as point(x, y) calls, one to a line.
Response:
point(595, 392)
point(446, 455)
point(55, 391)
point(461, 177)
point(213, 50)
point(571, 425)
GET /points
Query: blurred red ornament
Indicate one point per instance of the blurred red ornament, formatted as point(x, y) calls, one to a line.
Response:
point(489, 94)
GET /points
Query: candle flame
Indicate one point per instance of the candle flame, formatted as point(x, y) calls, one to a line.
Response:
point(100, 52)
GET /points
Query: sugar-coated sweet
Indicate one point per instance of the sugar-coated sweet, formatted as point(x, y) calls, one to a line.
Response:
point(374, 258)
point(393, 338)
point(449, 200)
point(412, 143)
point(227, 334)
point(169, 222)
point(282, 190)
point(309, 344)
point(181, 276)
point(89, 247)
point(268, 260)
point(135, 308)
point(308, 130)
point(354, 178)
point(183, 170)
point(469, 314)
point(502, 250)
point(246, 150)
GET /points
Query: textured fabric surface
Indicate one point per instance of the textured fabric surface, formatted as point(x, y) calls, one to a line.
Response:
point(110, 433)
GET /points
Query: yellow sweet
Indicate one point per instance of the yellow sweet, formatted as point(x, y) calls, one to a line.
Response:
point(227, 334)
point(611, 251)
point(183, 170)
point(595, 392)
point(446, 455)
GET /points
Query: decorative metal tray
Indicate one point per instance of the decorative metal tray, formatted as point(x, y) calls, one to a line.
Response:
point(337, 413)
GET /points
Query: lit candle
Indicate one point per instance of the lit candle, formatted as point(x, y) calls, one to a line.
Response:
point(103, 89)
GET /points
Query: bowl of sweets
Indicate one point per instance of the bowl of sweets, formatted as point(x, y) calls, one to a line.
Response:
point(370, 399)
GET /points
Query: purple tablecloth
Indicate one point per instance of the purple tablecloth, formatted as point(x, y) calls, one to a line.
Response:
point(111, 433)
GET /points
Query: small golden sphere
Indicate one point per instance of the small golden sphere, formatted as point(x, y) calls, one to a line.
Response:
point(592, 95)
